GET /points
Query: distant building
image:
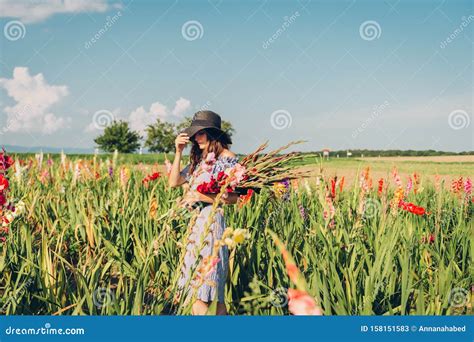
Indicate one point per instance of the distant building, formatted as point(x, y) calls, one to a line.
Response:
point(326, 152)
point(349, 153)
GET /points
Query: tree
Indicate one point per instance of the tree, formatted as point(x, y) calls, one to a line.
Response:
point(118, 136)
point(160, 136)
point(226, 126)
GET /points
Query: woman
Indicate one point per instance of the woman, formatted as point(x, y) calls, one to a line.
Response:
point(209, 155)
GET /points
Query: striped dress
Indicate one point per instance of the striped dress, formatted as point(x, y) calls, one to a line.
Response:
point(213, 286)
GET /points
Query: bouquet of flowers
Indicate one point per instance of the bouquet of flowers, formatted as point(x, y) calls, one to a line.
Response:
point(256, 171)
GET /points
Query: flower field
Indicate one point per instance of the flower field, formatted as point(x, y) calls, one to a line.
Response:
point(93, 236)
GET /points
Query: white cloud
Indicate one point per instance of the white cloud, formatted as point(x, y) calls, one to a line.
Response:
point(140, 117)
point(36, 11)
point(34, 97)
point(182, 105)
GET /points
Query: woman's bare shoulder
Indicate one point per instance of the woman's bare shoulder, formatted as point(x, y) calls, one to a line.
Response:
point(228, 153)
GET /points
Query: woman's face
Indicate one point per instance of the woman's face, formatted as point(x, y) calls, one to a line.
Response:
point(201, 139)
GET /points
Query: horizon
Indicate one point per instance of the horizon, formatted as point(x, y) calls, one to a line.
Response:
point(72, 150)
point(344, 75)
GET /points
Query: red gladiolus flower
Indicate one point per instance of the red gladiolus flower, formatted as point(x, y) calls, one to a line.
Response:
point(3, 183)
point(214, 185)
point(430, 239)
point(152, 177)
point(3, 199)
point(244, 199)
point(412, 208)
point(155, 175)
point(221, 176)
point(201, 188)
point(457, 185)
point(5, 161)
point(8, 161)
point(206, 188)
point(380, 186)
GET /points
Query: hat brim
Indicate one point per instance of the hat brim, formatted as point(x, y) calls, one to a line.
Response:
point(213, 131)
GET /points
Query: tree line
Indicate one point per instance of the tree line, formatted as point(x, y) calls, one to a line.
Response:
point(159, 137)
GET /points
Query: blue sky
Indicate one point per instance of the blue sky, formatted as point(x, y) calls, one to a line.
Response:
point(339, 74)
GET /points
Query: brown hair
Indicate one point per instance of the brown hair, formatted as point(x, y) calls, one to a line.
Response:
point(217, 144)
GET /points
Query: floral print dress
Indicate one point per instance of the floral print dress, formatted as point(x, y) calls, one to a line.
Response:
point(212, 284)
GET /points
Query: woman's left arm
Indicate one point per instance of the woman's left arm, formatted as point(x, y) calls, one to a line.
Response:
point(227, 198)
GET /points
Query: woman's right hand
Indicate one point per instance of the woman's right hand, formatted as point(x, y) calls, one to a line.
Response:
point(180, 142)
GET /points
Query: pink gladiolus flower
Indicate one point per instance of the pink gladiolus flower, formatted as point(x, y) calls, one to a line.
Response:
point(212, 266)
point(168, 166)
point(409, 186)
point(396, 177)
point(301, 303)
point(208, 163)
point(238, 172)
point(468, 186)
point(44, 176)
point(210, 158)
point(208, 266)
point(331, 212)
